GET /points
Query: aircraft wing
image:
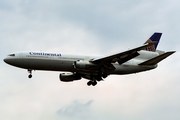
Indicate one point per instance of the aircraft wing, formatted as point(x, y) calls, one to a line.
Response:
point(121, 57)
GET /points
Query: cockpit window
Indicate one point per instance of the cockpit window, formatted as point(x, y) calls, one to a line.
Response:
point(12, 55)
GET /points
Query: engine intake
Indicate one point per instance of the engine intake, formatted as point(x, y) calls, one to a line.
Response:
point(69, 77)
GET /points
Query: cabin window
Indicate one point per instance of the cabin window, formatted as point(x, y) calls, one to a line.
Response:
point(12, 55)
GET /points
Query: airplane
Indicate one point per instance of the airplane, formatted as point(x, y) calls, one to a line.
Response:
point(92, 68)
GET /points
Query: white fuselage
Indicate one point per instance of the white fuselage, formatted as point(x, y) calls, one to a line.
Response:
point(64, 62)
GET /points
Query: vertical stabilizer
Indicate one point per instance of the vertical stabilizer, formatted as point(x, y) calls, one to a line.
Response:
point(154, 38)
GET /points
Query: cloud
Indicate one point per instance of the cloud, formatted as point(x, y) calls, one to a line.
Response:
point(76, 110)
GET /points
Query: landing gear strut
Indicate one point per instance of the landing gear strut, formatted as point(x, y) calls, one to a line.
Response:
point(30, 71)
point(104, 75)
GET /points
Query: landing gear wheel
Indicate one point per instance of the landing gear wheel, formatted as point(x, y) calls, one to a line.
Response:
point(89, 83)
point(94, 83)
point(30, 76)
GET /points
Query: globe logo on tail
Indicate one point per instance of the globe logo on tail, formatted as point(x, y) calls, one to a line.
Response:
point(150, 48)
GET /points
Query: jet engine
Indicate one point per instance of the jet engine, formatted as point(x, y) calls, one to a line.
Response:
point(69, 77)
point(81, 64)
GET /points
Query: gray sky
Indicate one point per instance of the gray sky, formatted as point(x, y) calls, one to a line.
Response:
point(96, 27)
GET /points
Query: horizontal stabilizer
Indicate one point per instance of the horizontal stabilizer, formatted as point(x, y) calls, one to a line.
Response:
point(157, 59)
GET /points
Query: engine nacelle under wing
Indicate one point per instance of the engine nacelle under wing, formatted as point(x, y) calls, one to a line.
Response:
point(69, 77)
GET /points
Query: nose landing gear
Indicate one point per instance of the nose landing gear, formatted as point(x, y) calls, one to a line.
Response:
point(30, 75)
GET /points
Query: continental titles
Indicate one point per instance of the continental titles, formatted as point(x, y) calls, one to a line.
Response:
point(44, 54)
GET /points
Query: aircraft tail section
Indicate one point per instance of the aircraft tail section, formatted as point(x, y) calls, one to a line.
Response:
point(157, 59)
point(154, 38)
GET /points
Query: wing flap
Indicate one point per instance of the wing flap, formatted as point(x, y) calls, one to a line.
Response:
point(157, 59)
point(127, 57)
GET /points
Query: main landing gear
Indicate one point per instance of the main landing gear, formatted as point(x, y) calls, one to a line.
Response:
point(93, 83)
point(95, 78)
point(30, 75)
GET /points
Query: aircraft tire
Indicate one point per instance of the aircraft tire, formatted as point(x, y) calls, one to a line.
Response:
point(94, 83)
point(89, 83)
point(30, 76)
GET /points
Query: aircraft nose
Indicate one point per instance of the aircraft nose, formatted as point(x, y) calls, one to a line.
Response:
point(5, 60)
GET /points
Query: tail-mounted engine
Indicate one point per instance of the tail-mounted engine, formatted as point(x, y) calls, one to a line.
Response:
point(69, 77)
